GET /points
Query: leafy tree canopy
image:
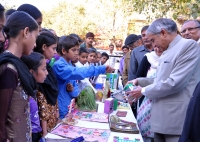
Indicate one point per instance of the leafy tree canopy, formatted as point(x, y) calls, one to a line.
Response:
point(162, 8)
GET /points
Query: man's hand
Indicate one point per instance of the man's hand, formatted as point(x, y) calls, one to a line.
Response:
point(135, 94)
point(134, 82)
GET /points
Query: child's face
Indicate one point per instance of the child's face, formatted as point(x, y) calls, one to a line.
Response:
point(72, 53)
point(50, 51)
point(103, 60)
point(83, 58)
point(91, 57)
point(98, 57)
point(41, 73)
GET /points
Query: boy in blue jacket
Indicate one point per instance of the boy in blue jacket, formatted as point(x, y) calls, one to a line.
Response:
point(67, 74)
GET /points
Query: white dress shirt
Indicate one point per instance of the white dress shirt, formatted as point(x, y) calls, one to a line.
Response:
point(85, 82)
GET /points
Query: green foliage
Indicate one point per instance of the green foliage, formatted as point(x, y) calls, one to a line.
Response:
point(111, 17)
point(108, 17)
point(168, 8)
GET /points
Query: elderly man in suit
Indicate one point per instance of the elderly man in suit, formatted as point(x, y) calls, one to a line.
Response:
point(191, 30)
point(176, 78)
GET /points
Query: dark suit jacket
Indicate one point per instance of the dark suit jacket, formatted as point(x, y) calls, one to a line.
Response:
point(191, 127)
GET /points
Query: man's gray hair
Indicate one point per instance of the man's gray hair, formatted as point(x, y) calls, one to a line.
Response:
point(162, 23)
point(196, 21)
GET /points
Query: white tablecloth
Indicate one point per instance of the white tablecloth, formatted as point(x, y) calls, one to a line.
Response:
point(87, 124)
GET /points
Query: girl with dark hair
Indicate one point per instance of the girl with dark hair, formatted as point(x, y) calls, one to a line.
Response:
point(47, 95)
point(37, 66)
point(32, 11)
point(9, 12)
point(17, 83)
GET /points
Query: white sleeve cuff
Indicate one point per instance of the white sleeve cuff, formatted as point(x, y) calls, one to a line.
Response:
point(143, 91)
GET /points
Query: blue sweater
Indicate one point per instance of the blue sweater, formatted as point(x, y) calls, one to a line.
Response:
point(66, 73)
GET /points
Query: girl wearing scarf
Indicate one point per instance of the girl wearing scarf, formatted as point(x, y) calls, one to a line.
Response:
point(37, 66)
point(17, 83)
point(47, 95)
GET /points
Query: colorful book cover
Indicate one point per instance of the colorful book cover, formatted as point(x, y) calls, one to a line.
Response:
point(91, 116)
point(90, 135)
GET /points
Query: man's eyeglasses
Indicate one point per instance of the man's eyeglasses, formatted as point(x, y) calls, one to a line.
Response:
point(189, 30)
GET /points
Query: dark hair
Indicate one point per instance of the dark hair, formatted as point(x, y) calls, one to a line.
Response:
point(105, 54)
point(82, 50)
point(78, 37)
point(111, 45)
point(47, 38)
point(125, 47)
point(17, 22)
point(144, 28)
point(51, 30)
point(31, 10)
point(90, 50)
point(98, 52)
point(66, 42)
point(33, 61)
point(2, 9)
point(45, 30)
point(139, 36)
point(89, 34)
point(9, 12)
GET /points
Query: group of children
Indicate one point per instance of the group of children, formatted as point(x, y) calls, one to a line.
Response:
point(34, 94)
point(89, 57)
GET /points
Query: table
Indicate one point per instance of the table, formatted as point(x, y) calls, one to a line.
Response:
point(86, 124)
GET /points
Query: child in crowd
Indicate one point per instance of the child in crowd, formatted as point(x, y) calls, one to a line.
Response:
point(17, 83)
point(66, 73)
point(98, 58)
point(47, 95)
point(37, 65)
point(104, 58)
point(83, 58)
point(91, 56)
point(32, 11)
point(9, 12)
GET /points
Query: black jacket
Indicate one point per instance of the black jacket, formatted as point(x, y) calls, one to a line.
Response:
point(191, 129)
